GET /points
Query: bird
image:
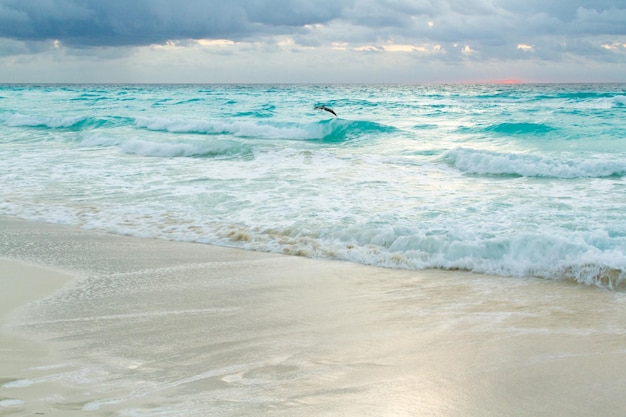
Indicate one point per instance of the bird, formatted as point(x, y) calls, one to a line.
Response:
point(328, 109)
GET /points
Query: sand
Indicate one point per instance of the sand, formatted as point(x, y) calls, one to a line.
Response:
point(21, 283)
point(103, 325)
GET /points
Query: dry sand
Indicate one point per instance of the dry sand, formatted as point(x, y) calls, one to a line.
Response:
point(142, 327)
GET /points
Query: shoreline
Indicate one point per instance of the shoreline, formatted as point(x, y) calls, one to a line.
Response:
point(151, 327)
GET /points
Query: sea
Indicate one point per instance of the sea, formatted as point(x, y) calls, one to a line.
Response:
point(514, 180)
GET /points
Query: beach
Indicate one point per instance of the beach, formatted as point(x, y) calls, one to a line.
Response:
point(108, 325)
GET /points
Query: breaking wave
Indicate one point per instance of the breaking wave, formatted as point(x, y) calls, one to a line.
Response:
point(329, 130)
point(212, 148)
point(581, 257)
point(67, 122)
point(332, 130)
point(481, 162)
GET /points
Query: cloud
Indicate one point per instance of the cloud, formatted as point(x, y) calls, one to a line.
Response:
point(91, 23)
point(333, 32)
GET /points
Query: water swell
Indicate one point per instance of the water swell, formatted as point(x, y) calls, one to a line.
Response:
point(207, 149)
point(66, 122)
point(479, 162)
point(520, 128)
point(331, 130)
point(215, 142)
point(265, 111)
point(221, 148)
point(338, 130)
point(509, 129)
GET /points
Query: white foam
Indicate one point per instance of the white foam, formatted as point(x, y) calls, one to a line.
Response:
point(243, 128)
point(619, 100)
point(95, 405)
point(19, 383)
point(493, 163)
point(11, 403)
point(17, 120)
point(177, 149)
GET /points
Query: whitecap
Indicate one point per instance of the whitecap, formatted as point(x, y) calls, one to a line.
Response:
point(482, 162)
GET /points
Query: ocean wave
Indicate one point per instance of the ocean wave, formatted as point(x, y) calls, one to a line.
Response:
point(595, 258)
point(612, 102)
point(263, 111)
point(545, 256)
point(66, 122)
point(212, 149)
point(570, 258)
point(520, 128)
point(168, 149)
point(24, 120)
point(599, 103)
point(98, 140)
point(91, 97)
point(481, 162)
point(331, 130)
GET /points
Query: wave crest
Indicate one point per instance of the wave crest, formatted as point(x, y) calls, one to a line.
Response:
point(582, 258)
point(66, 122)
point(480, 162)
point(212, 149)
point(520, 128)
point(331, 130)
point(188, 148)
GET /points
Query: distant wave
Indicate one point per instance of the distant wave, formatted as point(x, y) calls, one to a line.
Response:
point(580, 99)
point(589, 100)
point(264, 111)
point(511, 129)
point(619, 100)
point(66, 122)
point(331, 130)
point(600, 102)
point(492, 163)
point(520, 128)
point(612, 102)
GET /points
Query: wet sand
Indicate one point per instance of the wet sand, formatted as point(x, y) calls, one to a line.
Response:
point(143, 327)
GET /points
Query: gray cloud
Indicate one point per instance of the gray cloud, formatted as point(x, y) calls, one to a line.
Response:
point(85, 23)
point(442, 31)
point(141, 22)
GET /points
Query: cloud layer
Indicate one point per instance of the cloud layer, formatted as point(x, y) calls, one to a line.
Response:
point(89, 23)
point(433, 30)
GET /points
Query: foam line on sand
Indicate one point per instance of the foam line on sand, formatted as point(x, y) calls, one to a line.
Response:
point(145, 327)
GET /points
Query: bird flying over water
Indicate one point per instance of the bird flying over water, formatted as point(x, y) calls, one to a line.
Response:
point(328, 109)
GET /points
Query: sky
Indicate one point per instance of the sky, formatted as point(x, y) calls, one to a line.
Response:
point(312, 41)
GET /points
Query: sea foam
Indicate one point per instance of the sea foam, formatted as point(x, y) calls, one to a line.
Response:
point(17, 120)
point(482, 162)
point(182, 149)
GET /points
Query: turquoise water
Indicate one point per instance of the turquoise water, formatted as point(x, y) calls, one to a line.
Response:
point(515, 180)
